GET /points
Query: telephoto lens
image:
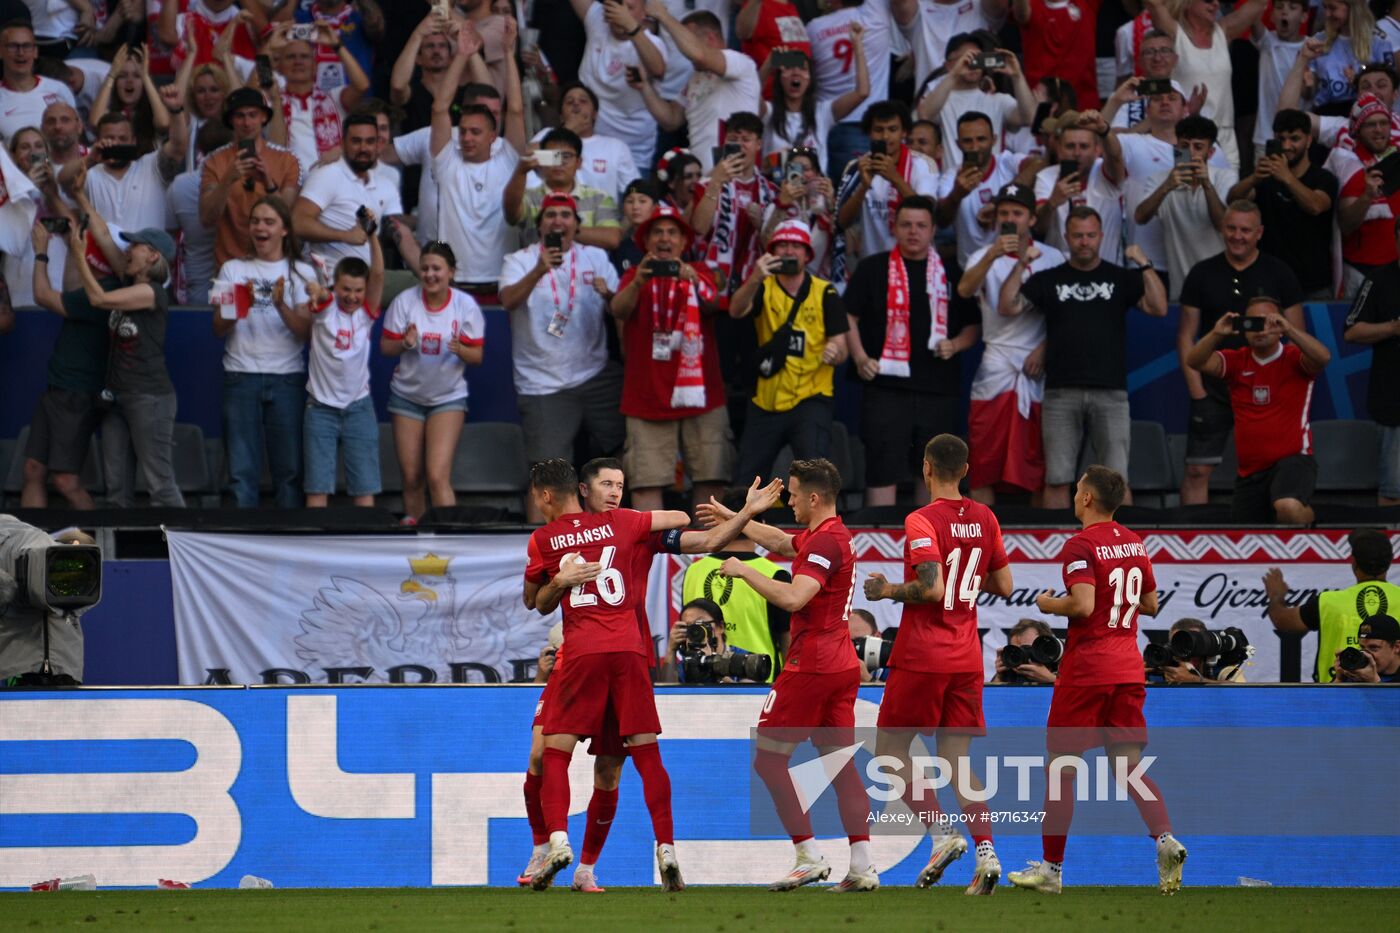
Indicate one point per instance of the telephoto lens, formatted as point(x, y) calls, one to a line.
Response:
point(1014, 656)
point(1352, 659)
point(1158, 656)
point(1047, 650)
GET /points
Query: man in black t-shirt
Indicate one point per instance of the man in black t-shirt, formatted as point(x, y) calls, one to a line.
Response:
point(1085, 302)
point(899, 413)
point(1297, 201)
point(1216, 286)
point(1374, 320)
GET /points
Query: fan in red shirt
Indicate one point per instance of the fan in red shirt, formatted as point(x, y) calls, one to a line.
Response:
point(817, 687)
point(605, 686)
point(1057, 38)
point(601, 484)
point(1098, 696)
point(935, 680)
point(1271, 386)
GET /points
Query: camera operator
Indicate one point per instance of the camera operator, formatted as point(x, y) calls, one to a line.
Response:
point(549, 654)
point(30, 634)
point(1377, 661)
point(1022, 635)
point(701, 612)
point(1198, 669)
point(1336, 615)
point(861, 623)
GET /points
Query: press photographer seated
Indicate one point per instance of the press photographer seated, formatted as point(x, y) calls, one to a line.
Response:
point(697, 653)
point(1377, 661)
point(1196, 655)
point(1022, 637)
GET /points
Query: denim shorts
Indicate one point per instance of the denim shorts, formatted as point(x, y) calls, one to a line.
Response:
point(356, 432)
point(399, 405)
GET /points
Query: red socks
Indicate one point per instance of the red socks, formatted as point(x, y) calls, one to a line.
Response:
point(853, 804)
point(601, 810)
point(1153, 812)
point(656, 788)
point(772, 769)
point(534, 812)
point(979, 822)
point(554, 790)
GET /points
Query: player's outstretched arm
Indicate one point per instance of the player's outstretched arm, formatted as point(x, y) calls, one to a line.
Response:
point(1078, 604)
point(1286, 618)
point(786, 596)
point(926, 587)
point(668, 519)
point(765, 536)
point(998, 582)
point(760, 499)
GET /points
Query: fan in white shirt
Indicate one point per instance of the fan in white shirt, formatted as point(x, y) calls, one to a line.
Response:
point(556, 296)
point(326, 214)
point(725, 82)
point(341, 322)
point(471, 174)
point(132, 192)
point(436, 331)
point(24, 94)
point(874, 184)
point(607, 162)
point(966, 194)
point(833, 51)
point(960, 91)
point(1079, 180)
point(617, 41)
point(800, 115)
point(929, 25)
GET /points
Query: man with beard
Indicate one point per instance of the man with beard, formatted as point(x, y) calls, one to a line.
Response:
point(1086, 303)
point(1366, 212)
point(325, 214)
point(1295, 201)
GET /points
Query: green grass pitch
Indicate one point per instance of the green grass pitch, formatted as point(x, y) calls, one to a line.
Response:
point(731, 910)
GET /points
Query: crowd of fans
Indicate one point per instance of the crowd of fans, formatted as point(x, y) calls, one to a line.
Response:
point(693, 212)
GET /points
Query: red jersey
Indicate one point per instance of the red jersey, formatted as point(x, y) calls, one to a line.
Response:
point(1372, 243)
point(647, 383)
point(964, 538)
point(1103, 648)
point(1270, 399)
point(1059, 40)
point(778, 24)
point(599, 616)
point(821, 636)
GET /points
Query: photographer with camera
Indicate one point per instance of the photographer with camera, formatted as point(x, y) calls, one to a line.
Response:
point(697, 651)
point(1377, 661)
point(1195, 655)
point(870, 646)
point(801, 326)
point(1270, 385)
point(46, 582)
point(1017, 662)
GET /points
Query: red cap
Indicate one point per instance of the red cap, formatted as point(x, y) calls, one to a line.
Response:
point(793, 231)
point(558, 199)
point(662, 212)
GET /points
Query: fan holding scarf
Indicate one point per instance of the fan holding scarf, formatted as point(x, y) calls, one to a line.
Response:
point(907, 329)
point(672, 393)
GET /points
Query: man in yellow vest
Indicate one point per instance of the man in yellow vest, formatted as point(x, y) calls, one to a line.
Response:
point(750, 621)
point(1336, 615)
point(801, 324)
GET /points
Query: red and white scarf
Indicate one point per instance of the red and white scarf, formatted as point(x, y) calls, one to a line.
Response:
point(732, 231)
point(206, 27)
point(894, 356)
point(905, 166)
point(325, 118)
point(687, 337)
point(1141, 23)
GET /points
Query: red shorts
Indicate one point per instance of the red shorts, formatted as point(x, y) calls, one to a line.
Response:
point(801, 703)
point(926, 701)
point(596, 693)
point(1096, 714)
point(608, 742)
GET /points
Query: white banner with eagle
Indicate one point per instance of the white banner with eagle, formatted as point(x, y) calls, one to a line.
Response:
point(253, 609)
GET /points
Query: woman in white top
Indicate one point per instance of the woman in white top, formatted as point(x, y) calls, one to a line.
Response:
point(797, 119)
point(203, 89)
point(438, 331)
point(1203, 55)
point(128, 89)
point(261, 312)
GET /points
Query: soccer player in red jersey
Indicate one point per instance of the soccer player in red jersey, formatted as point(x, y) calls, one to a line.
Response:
point(1099, 692)
point(935, 680)
point(606, 674)
point(601, 486)
point(818, 684)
